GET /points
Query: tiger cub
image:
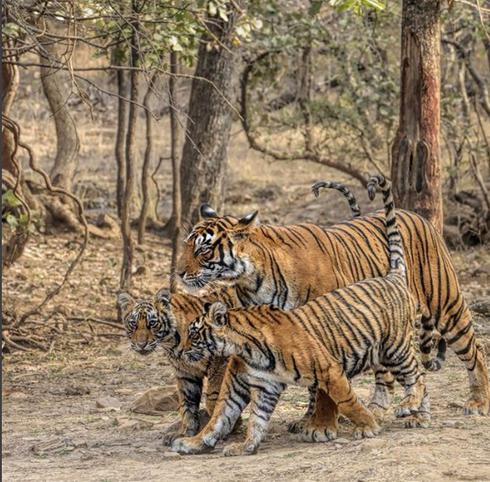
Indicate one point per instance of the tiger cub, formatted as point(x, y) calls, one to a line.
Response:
point(323, 343)
point(157, 322)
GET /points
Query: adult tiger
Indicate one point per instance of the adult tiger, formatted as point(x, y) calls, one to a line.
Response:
point(286, 266)
point(336, 336)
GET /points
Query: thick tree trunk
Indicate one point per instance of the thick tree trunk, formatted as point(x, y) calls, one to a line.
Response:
point(55, 86)
point(204, 156)
point(174, 149)
point(131, 154)
point(416, 165)
point(121, 130)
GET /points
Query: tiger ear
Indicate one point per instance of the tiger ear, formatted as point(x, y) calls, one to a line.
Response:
point(242, 228)
point(124, 301)
point(206, 308)
point(217, 314)
point(248, 221)
point(162, 298)
point(206, 212)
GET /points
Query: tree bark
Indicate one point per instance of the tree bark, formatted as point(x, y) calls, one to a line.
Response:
point(131, 152)
point(204, 156)
point(416, 164)
point(145, 171)
point(10, 85)
point(174, 149)
point(121, 130)
point(55, 89)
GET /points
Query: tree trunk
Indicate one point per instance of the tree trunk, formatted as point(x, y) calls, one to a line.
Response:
point(145, 171)
point(204, 156)
point(131, 153)
point(121, 130)
point(174, 149)
point(10, 84)
point(55, 88)
point(416, 165)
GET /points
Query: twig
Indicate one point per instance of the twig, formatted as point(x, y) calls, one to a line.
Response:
point(57, 190)
point(97, 320)
point(479, 180)
point(12, 344)
point(312, 156)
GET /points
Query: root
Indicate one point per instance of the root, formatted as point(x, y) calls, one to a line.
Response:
point(15, 128)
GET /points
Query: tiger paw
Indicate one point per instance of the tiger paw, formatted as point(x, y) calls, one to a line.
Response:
point(417, 420)
point(298, 426)
point(311, 434)
point(378, 411)
point(433, 365)
point(477, 406)
point(308, 431)
point(169, 436)
point(190, 445)
point(409, 406)
point(366, 431)
point(234, 450)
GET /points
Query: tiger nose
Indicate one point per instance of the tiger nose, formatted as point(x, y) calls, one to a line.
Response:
point(182, 274)
point(141, 345)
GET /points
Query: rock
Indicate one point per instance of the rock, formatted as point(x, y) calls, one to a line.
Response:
point(155, 401)
point(132, 425)
point(108, 402)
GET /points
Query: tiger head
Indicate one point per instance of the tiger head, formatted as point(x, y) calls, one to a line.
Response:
point(148, 322)
point(206, 335)
point(215, 250)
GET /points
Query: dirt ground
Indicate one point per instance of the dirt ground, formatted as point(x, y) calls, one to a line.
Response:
point(60, 425)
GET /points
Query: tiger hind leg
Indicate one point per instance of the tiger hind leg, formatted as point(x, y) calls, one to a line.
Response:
point(422, 417)
point(322, 426)
point(415, 406)
point(426, 345)
point(340, 390)
point(459, 333)
point(383, 392)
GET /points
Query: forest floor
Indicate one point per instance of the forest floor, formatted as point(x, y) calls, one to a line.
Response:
point(66, 410)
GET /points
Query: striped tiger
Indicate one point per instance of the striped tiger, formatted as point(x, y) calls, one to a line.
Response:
point(157, 322)
point(286, 266)
point(336, 337)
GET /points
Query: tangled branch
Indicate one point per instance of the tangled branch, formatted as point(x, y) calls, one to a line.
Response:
point(309, 154)
point(54, 190)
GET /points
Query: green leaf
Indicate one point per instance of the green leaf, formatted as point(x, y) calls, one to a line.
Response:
point(10, 199)
point(12, 221)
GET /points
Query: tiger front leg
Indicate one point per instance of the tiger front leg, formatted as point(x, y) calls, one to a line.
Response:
point(340, 390)
point(264, 401)
point(299, 425)
point(190, 390)
point(322, 426)
point(233, 398)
